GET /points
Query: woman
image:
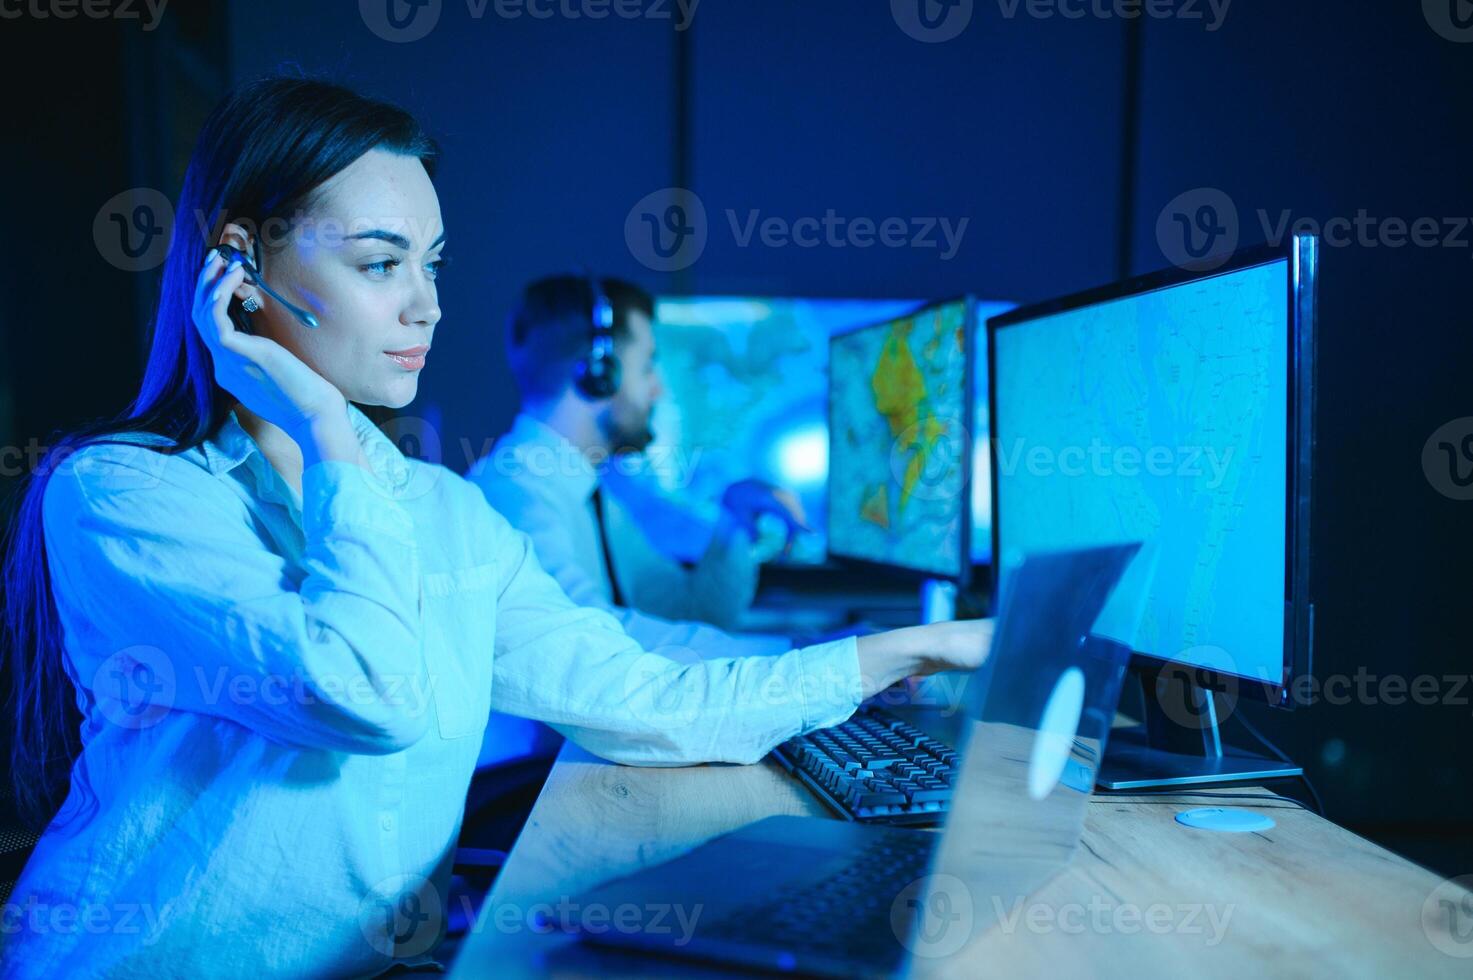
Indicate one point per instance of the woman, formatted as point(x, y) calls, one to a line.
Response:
point(282, 636)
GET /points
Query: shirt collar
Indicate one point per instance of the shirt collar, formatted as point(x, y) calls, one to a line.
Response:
point(232, 445)
point(547, 455)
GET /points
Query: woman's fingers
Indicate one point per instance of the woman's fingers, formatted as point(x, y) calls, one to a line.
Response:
point(220, 301)
point(264, 375)
point(208, 273)
point(212, 296)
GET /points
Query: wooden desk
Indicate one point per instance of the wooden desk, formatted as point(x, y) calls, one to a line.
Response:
point(1306, 898)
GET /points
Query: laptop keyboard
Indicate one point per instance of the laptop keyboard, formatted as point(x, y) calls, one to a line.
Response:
point(845, 912)
point(875, 768)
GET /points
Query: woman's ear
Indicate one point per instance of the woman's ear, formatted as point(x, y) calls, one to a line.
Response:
point(240, 239)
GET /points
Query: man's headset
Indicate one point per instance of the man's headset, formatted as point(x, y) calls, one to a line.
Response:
point(597, 375)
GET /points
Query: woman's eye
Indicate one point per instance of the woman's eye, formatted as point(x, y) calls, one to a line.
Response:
point(380, 268)
point(384, 267)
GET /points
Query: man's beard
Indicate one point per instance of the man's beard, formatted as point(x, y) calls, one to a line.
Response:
point(624, 439)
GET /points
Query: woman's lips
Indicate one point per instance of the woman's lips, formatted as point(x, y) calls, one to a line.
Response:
point(410, 358)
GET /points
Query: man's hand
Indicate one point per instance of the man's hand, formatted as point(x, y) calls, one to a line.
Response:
point(748, 500)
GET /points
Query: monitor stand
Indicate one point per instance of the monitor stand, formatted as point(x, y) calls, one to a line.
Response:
point(1180, 743)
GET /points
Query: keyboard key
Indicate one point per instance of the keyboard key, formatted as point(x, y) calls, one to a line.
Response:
point(931, 795)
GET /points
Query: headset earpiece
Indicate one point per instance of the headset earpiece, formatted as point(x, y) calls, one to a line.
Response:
point(597, 375)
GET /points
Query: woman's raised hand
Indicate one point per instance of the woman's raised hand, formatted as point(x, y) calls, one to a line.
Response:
point(268, 379)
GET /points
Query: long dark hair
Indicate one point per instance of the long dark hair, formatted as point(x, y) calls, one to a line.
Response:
point(261, 154)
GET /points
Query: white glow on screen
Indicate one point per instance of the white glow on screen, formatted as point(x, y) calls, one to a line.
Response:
point(802, 456)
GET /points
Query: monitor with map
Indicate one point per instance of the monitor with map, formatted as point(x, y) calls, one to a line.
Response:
point(900, 443)
point(746, 392)
point(1165, 414)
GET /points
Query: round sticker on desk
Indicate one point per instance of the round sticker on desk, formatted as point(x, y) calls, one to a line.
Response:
point(1056, 733)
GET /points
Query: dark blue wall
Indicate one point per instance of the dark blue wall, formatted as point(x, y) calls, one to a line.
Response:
point(1013, 126)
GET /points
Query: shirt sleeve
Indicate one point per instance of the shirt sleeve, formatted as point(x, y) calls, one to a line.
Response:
point(718, 590)
point(155, 562)
point(557, 556)
point(700, 640)
point(576, 669)
point(524, 508)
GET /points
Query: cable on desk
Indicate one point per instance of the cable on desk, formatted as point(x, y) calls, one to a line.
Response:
point(1319, 806)
point(1118, 796)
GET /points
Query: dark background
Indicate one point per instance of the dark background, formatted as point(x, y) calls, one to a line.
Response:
point(1059, 140)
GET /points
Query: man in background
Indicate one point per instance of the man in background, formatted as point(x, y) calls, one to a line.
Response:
point(584, 358)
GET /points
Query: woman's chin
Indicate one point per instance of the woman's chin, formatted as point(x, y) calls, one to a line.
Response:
point(397, 393)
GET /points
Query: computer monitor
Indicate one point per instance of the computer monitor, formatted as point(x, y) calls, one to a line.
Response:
point(746, 396)
point(981, 460)
point(1174, 409)
point(899, 442)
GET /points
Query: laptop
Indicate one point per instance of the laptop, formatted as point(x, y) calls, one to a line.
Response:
point(828, 897)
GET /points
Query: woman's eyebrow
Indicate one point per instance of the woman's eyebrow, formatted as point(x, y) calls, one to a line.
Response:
point(393, 238)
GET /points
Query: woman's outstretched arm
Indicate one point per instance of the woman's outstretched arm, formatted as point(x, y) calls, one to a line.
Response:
point(574, 668)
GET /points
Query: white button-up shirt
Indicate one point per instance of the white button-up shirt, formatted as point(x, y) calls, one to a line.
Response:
point(283, 700)
point(543, 485)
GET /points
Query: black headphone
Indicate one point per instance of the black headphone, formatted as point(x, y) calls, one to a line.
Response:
point(597, 375)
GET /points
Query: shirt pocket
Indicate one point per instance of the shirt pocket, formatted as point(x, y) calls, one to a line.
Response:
point(459, 629)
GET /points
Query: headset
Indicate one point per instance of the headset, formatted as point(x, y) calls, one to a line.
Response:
point(308, 320)
point(597, 375)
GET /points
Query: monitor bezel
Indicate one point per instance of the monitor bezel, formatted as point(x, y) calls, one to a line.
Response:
point(1302, 255)
point(963, 571)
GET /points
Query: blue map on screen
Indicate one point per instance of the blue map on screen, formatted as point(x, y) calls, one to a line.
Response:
point(1160, 417)
point(747, 382)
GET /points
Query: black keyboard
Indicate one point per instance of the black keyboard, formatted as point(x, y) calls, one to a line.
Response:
point(875, 768)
